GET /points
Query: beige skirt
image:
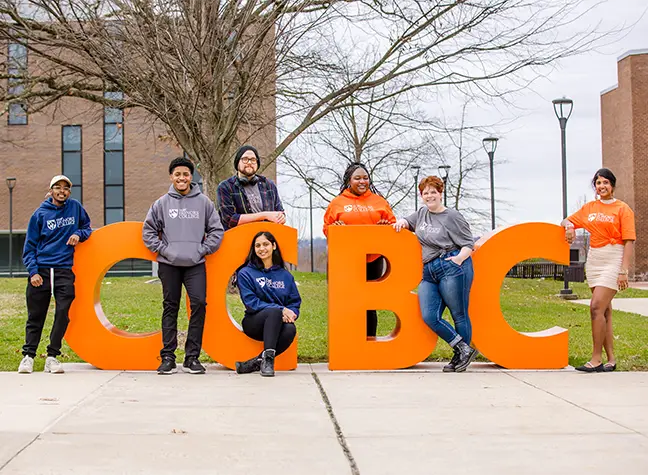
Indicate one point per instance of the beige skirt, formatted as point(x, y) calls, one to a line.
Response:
point(603, 266)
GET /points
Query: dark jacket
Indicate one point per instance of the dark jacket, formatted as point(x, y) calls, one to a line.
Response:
point(232, 201)
point(48, 232)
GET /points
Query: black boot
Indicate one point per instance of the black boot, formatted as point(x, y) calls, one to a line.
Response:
point(466, 355)
point(450, 367)
point(249, 366)
point(267, 363)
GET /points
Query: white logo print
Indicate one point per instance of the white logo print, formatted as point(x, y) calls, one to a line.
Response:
point(591, 217)
point(51, 224)
point(173, 213)
point(261, 281)
point(348, 208)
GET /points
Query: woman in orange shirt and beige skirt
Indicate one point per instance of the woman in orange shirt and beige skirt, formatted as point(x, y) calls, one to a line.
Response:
point(611, 225)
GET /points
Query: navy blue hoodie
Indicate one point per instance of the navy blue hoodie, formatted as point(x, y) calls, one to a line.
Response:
point(268, 288)
point(49, 229)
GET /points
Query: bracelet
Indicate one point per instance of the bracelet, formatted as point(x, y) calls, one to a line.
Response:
point(624, 272)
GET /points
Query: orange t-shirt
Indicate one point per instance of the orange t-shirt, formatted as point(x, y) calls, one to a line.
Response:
point(607, 223)
point(351, 209)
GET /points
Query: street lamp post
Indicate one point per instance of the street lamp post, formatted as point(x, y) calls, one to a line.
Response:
point(443, 171)
point(11, 183)
point(309, 181)
point(490, 145)
point(563, 109)
point(417, 169)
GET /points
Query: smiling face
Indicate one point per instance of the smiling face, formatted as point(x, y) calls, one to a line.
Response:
point(263, 249)
point(604, 188)
point(248, 165)
point(432, 198)
point(60, 192)
point(181, 179)
point(359, 182)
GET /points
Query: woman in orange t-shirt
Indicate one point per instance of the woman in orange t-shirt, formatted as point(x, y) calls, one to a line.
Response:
point(611, 225)
point(360, 203)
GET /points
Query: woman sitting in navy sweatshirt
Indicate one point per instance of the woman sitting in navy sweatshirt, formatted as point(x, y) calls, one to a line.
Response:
point(271, 301)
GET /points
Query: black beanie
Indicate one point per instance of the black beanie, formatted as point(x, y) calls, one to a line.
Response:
point(241, 151)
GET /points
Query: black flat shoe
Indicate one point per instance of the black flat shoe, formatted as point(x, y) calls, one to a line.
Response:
point(609, 367)
point(589, 368)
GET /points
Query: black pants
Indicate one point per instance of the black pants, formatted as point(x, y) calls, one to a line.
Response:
point(38, 300)
point(195, 281)
point(268, 326)
point(374, 271)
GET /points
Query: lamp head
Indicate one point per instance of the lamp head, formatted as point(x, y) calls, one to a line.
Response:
point(563, 108)
point(490, 144)
point(444, 170)
point(11, 182)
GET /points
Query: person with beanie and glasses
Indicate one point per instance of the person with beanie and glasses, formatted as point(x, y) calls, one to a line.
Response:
point(247, 197)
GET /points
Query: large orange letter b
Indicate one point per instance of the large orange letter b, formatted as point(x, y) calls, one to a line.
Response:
point(350, 296)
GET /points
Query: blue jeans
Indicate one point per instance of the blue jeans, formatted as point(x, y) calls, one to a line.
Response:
point(445, 284)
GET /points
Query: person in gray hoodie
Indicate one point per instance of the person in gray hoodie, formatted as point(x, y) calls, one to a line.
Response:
point(182, 227)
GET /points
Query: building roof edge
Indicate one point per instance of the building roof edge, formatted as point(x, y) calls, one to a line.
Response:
point(633, 52)
point(609, 89)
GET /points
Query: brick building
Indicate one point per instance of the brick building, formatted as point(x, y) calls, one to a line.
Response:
point(624, 121)
point(116, 159)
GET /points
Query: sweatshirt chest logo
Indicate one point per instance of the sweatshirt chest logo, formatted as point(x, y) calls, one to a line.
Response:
point(261, 281)
point(184, 213)
point(273, 284)
point(360, 208)
point(429, 229)
point(600, 217)
point(52, 224)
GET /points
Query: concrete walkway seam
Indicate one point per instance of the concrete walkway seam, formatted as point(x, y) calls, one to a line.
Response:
point(576, 405)
point(338, 430)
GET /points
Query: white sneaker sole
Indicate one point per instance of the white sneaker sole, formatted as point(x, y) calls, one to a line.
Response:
point(25, 371)
point(187, 370)
point(59, 371)
point(173, 371)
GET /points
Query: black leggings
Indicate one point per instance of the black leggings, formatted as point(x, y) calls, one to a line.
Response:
point(374, 272)
point(268, 326)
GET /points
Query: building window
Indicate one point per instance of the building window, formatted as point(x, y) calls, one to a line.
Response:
point(113, 161)
point(72, 158)
point(17, 66)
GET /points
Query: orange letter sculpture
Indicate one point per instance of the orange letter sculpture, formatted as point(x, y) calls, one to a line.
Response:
point(492, 335)
point(350, 296)
point(98, 342)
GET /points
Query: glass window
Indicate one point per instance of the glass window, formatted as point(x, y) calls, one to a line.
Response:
point(114, 171)
point(72, 138)
point(114, 197)
point(114, 215)
point(113, 116)
point(72, 166)
point(76, 191)
point(17, 114)
point(17, 58)
point(113, 137)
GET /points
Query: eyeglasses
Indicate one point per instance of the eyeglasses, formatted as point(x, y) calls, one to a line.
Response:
point(248, 160)
point(59, 188)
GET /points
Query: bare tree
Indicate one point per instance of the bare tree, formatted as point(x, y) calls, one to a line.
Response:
point(212, 71)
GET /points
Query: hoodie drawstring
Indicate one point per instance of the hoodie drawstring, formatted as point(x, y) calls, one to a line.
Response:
point(52, 280)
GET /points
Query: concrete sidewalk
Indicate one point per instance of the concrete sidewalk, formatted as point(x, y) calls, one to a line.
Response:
point(312, 421)
point(632, 305)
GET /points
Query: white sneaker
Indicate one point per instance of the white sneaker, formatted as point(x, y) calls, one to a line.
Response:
point(26, 365)
point(52, 365)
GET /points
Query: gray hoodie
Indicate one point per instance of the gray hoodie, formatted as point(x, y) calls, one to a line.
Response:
point(183, 229)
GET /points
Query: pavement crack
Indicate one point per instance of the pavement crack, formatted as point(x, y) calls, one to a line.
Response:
point(338, 430)
point(630, 429)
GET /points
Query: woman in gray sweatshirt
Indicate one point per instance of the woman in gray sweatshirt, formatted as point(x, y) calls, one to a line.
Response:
point(447, 245)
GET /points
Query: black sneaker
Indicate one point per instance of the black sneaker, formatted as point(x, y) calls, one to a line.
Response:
point(193, 366)
point(168, 366)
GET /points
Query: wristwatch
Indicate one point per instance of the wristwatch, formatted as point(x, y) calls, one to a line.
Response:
point(623, 272)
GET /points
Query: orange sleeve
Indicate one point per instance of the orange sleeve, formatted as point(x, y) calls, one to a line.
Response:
point(388, 214)
point(329, 217)
point(627, 220)
point(579, 218)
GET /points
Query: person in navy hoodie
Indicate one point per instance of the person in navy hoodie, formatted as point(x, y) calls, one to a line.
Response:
point(271, 301)
point(55, 228)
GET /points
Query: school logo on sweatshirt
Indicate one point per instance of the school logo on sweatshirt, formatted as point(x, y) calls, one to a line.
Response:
point(273, 284)
point(261, 281)
point(359, 208)
point(600, 217)
point(52, 224)
point(184, 213)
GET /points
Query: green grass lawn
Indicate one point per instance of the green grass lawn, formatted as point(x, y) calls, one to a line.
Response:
point(529, 305)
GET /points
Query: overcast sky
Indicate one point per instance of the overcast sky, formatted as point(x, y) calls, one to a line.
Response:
point(530, 181)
